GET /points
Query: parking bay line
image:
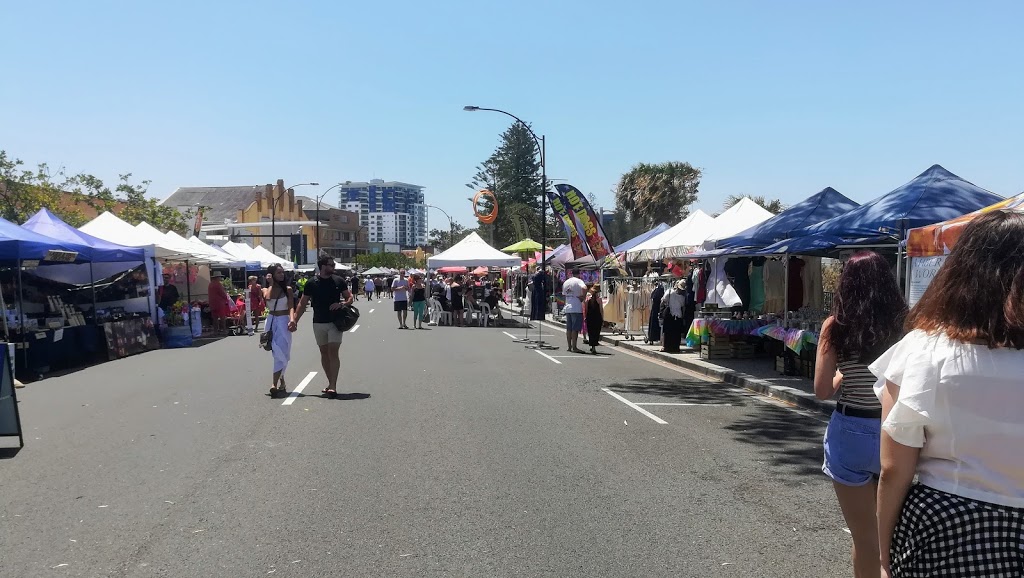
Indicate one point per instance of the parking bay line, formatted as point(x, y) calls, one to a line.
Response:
point(298, 389)
point(634, 406)
point(686, 404)
point(548, 356)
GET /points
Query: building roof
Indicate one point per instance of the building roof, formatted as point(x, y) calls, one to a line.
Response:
point(378, 183)
point(222, 202)
point(310, 204)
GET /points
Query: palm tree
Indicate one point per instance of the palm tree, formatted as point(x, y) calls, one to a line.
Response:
point(650, 193)
point(773, 206)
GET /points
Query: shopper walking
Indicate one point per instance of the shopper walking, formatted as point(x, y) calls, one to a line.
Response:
point(369, 287)
point(400, 290)
point(281, 323)
point(593, 317)
point(378, 285)
point(419, 301)
point(329, 293)
point(458, 307)
point(952, 392)
point(573, 289)
point(867, 318)
point(218, 300)
point(257, 303)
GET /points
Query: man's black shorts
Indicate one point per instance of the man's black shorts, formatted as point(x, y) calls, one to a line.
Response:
point(401, 305)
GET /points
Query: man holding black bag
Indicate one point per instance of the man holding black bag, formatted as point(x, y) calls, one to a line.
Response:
point(330, 295)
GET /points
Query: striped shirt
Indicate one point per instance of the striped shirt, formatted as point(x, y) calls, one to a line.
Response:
point(857, 389)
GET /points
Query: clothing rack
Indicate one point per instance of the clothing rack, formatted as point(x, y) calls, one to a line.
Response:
point(640, 305)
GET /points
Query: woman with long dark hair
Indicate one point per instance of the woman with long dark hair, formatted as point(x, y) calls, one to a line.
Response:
point(867, 318)
point(281, 322)
point(952, 393)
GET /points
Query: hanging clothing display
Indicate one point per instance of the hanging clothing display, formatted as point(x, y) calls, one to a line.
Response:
point(796, 283)
point(738, 271)
point(615, 308)
point(539, 296)
point(757, 293)
point(654, 324)
point(637, 306)
point(814, 295)
point(720, 290)
point(774, 286)
point(672, 306)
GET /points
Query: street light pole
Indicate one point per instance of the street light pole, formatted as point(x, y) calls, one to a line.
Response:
point(273, 213)
point(451, 224)
point(318, 199)
point(543, 203)
point(543, 180)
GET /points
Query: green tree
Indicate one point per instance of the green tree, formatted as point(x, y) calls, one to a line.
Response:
point(389, 260)
point(773, 206)
point(23, 192)
point(512, 173)
point(651, 193)
point(442, 239)
point(139, 208)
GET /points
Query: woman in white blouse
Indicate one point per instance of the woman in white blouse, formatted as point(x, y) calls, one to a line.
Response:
point(952, 396)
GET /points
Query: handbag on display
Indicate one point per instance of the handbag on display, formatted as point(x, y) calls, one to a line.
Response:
point(345, 317)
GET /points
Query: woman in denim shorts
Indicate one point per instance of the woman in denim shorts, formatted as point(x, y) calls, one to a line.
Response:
point(868, 311)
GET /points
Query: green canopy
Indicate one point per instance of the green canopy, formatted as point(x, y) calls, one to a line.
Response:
point(524, 246)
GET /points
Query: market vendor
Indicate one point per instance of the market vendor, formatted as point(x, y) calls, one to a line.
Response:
point(167, 294)
point(219, 308)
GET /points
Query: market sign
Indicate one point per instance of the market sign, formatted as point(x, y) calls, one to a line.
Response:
point(10, 421)
point(60, 256)
point(922, 271)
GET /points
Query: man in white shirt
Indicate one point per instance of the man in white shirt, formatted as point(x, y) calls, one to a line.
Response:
point(400, 288)
point(573, 289)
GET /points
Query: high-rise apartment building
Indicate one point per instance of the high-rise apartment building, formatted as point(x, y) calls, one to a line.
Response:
point(392, 212)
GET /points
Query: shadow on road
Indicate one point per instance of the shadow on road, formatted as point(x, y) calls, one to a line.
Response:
point(8, 453)
point(785, 438)
point(681, 390)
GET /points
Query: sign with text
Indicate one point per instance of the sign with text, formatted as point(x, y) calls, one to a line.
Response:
point(10, 420)
point(922, 271)
point(56, 256)
point(590, 224)
point(579, 248)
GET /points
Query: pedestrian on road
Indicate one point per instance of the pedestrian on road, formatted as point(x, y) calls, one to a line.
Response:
point(593, 317)
point(281, 323)
point(389, 283)
point(867, 318)
point(400, 290)
point(458, 307)
point(419, 301)
point(329, 293)
point(369, 286)
point(951, 401)
point(256, 301)
point(574, 289)
point(218, 299)
point(378, 285)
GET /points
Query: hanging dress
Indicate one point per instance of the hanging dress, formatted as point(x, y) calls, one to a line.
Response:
point(654, 325)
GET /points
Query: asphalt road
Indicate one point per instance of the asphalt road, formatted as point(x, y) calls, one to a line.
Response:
point(455, 452)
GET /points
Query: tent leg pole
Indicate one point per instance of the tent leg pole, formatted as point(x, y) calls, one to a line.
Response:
point(785, 277)
point(188, 292)
point(21, 320)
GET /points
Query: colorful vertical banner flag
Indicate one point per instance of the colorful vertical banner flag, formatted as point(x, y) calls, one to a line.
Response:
point(197, 225)
point(590, 224)
point(558, 205)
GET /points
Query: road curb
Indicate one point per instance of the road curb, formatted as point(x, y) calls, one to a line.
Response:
point(732, 377)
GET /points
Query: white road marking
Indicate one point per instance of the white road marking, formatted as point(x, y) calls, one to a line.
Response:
point(509, 334)
point(372, 310)
point(298, 389)
point(578, 357)
point(688, 404)
point(634, 406)
point(548, 356)
point(353, 330)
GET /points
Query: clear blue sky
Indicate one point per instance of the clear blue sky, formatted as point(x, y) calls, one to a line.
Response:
point(774, 98)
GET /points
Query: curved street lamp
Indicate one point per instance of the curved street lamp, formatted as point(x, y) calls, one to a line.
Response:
point(318, 199)
point(451, 223)
point(543, 179)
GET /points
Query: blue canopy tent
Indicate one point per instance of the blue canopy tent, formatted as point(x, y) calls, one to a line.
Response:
point(627, 245)
point(17, 244)
point(934, 196)
point(46, 223)
point(821, 206)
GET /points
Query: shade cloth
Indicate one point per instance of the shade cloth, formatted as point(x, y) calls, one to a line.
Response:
point(938, 239)
point(933, 196)
point(472, 251)
point(821, 206)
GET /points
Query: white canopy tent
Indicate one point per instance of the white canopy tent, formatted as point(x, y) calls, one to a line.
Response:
point(690, 232)
point(738, 218)
point(110, 227)
point(264, 255)
point(472, 252)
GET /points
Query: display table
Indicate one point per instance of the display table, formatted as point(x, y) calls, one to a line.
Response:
point(795, 339)
point(47, 350)
point(126, 337)
point(702, 329)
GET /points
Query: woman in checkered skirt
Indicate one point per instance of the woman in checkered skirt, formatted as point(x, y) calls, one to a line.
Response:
point(952, 396)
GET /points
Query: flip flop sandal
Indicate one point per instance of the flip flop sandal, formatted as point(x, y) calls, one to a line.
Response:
point(330, 393)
